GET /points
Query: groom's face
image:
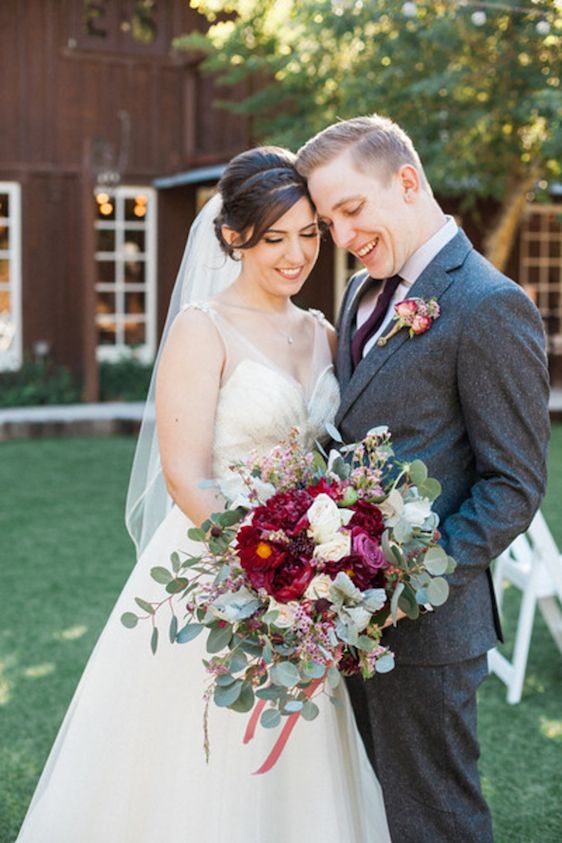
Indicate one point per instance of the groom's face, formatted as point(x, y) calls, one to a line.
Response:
point(374, 219)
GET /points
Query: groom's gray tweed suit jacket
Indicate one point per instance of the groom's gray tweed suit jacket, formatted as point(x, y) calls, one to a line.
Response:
point(470, 398)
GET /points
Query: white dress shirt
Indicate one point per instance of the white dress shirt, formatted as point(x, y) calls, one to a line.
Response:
point(410, 272)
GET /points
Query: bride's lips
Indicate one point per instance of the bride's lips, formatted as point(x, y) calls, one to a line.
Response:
point(291, 273)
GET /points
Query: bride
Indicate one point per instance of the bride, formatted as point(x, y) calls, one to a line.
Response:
point(240, 366)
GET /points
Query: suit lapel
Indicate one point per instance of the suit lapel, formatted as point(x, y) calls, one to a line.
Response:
point(432, 283)
point(345, 363)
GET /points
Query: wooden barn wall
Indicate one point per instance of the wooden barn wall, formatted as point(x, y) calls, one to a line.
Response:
point(55, 95)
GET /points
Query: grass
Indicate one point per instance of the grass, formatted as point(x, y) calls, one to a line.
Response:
point(65, 558)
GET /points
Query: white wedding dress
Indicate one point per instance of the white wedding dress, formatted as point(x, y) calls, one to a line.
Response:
point(128, 764)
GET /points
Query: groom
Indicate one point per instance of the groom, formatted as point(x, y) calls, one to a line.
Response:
point(469, 397)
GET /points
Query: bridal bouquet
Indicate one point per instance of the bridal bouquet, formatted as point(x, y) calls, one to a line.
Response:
point(297, 577)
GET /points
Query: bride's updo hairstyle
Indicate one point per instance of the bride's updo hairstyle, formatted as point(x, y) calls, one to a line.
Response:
point(257, 188)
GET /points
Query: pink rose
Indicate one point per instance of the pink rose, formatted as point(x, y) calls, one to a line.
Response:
point(420, 324)
point(406, 309)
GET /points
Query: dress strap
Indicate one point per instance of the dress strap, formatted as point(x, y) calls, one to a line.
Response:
point(203, 306)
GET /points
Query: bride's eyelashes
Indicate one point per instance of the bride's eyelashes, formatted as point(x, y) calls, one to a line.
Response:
point(308, 234)
point(352, 212)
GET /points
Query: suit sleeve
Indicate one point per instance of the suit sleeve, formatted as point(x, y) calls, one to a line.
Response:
point(503, 390)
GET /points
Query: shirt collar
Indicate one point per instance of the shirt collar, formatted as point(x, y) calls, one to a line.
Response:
point(423, 256)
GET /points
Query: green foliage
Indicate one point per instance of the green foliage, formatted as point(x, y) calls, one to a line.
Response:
point(124, 380)
point(483, 103)
point(35, 383)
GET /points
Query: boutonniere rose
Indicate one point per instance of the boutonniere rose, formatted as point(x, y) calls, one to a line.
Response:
point(417, 315)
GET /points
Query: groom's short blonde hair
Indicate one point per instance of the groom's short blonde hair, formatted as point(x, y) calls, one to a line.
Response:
point(376, 143)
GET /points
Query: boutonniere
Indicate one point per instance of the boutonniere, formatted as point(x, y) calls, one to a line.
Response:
point(418, 315)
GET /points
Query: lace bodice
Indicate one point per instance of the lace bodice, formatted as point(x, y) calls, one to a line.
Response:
point(259, 402)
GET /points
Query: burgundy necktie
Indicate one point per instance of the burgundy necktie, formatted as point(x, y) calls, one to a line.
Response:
point(363, 334)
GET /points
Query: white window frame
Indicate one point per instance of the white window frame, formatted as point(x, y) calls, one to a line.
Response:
point(12, 358)
point(535, 270)
point(146, 352)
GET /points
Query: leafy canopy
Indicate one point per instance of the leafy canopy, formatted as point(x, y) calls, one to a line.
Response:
point(482, 103)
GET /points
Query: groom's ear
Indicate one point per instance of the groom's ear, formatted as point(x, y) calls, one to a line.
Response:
point(410, 182)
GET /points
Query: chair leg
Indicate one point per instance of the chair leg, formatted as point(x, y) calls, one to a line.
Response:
point(550, 610)
point(522, 642)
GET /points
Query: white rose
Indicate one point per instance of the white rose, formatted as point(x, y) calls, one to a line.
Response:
point(415, 512)
point(392, 508)
point(287, 613)
point(325, 519)
point(319, 588)
point(236, 492)
point(335, 549)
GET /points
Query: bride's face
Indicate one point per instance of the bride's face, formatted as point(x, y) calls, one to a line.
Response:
point(282, 260)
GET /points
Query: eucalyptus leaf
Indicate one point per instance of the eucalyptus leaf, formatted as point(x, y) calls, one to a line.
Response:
point(237, 661)
point(196, 534)
point(385, 663)
point(245, 701)
point(225, 679)
point(285, 674)
point(394, 602)
point(173, 629)
point(436, 561)
point(293, 706)
point(314, 670)
point(270, 617)
point(438, 591)
point(333, 677)
point(272, 692)
point(129, 619)
point(144, 605)
point(219, 638)
point(365, 643)
point(154, 640)
point(224, 697)
point(251, 646)
point(189, 632)
point(176, 561)
point(408, 603)
point(230, 517)
point(310, 710)
point(270, 718)
point(430, 488)
point(176, 585)
point(418, 472)
point(451, 565)
point(161, 575)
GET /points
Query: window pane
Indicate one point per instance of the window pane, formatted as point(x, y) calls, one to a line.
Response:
point(135, 303)
point(4, 237)
point(105, 206)
point(4, 204)
point(134, 241)
point(105, 303)
point(105, 240)
point(107, 330)
point(106, 272)
point(4, 301)
point(135, 272)
point(4, 271)
point(135, 208)
point(134, 332)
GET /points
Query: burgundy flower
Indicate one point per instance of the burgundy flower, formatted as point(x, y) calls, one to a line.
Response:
point(369, 518)
point(290, 580)
point(358, 569)
point(258, 557)
point(325, 488)
point(283, 511)
point(348, 665)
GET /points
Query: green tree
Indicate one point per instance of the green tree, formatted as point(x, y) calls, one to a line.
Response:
point(478, 89)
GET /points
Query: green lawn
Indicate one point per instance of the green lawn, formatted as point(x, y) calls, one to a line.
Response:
point(65, 556)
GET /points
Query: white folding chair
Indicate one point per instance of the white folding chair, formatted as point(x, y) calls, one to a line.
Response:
point(533, 564)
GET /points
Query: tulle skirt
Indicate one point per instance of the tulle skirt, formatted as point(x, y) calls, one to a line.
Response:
point(128, 764)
